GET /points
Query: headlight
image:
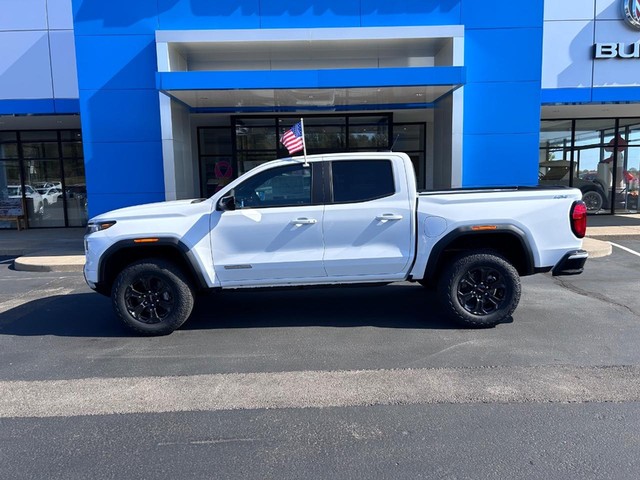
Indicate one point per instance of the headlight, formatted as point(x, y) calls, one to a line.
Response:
point(96, 227)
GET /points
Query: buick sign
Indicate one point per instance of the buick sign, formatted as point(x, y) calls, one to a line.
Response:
point(631, 10)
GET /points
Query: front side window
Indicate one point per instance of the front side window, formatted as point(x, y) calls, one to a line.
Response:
point(277, 187)
point(362, 180)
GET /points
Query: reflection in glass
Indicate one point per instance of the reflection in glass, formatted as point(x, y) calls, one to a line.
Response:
point(75, 192)
point(10, 190)
point(43, 193)
point(8, 145)
point(40, 150)
point(408, 138)
point(324, 138)
point(632, 178)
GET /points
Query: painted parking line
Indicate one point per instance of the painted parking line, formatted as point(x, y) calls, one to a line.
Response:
point(633, 252)
point(32, 296)
point(318, 389)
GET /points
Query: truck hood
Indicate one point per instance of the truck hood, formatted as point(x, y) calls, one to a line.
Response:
point(176, 208)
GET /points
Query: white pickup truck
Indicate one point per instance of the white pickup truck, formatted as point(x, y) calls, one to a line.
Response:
point(353, 218)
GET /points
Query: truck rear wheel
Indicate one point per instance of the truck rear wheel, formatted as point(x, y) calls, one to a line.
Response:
point(480, 289)
point(152, 297)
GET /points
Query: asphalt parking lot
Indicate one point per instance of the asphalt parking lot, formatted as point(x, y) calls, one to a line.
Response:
point(347, 383)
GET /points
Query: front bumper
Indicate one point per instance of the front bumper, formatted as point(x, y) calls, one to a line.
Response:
point(571, 263)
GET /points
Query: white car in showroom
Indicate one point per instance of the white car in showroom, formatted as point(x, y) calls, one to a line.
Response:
point(15, 191)
point(49, 195)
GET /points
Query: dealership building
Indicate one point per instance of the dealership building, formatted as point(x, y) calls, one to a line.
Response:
point(110, 104)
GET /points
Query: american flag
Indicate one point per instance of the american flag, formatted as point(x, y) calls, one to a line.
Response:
point(292, 139)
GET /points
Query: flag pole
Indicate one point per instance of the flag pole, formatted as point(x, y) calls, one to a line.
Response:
point(304, 144)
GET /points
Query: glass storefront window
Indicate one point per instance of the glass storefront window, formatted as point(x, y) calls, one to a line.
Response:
point(39, 135)
point(72, 150)
point(256, 134)
point(632, 178)
point(555, 152)
point(43, 192)
point(408, 137)
point(322, 134)
point(47, 173)
point(215, 141)
point(369, 133)
point(40, 150)
point(10, 189)
point(601, 157)
point(8, 145)
point(75, 192)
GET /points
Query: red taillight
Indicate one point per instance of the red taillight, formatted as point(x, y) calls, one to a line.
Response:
point(579, 219)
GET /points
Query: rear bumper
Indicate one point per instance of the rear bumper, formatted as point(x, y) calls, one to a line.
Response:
point(571, 264)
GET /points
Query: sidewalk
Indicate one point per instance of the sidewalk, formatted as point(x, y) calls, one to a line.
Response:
point(44, 250)
point(62, 250)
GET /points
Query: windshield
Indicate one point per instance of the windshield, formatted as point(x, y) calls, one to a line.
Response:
point(13, 191)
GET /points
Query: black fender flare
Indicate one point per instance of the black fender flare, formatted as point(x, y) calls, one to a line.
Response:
point(163, 241)
point(470, 231)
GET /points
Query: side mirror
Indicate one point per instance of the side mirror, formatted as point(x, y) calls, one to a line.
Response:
point(228, 202)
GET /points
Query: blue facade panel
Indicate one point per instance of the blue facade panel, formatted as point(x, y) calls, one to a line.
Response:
point(122, 169)
point(115, 62)
point(207, 14)
point(497, 159)
point(502, 14)
point(502, 107)
point(121, 116)
point(503, 55)
point(383, 13)
point(41, 106)
point(115, 17)
point(310, 13)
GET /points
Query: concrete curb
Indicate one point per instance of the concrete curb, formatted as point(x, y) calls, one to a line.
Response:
point(63, 263)
point(596, 248)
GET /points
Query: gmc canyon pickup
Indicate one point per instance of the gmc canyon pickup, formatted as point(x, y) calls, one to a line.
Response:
point(334, 219)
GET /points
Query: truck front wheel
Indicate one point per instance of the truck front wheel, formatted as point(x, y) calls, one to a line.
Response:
point(152, 297)
point(480, 289)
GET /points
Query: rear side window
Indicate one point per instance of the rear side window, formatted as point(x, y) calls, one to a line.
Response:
point(362, 180)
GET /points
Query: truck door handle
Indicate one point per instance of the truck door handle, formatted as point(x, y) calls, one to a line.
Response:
point(304, 221)
point(389, 216)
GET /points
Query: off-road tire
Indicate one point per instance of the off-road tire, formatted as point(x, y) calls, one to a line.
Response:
point(480, 289)
point(152, 296)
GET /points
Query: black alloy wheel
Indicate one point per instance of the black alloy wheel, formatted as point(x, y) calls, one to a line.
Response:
point(480, 289)
point(149, 299)
point(153, 296)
